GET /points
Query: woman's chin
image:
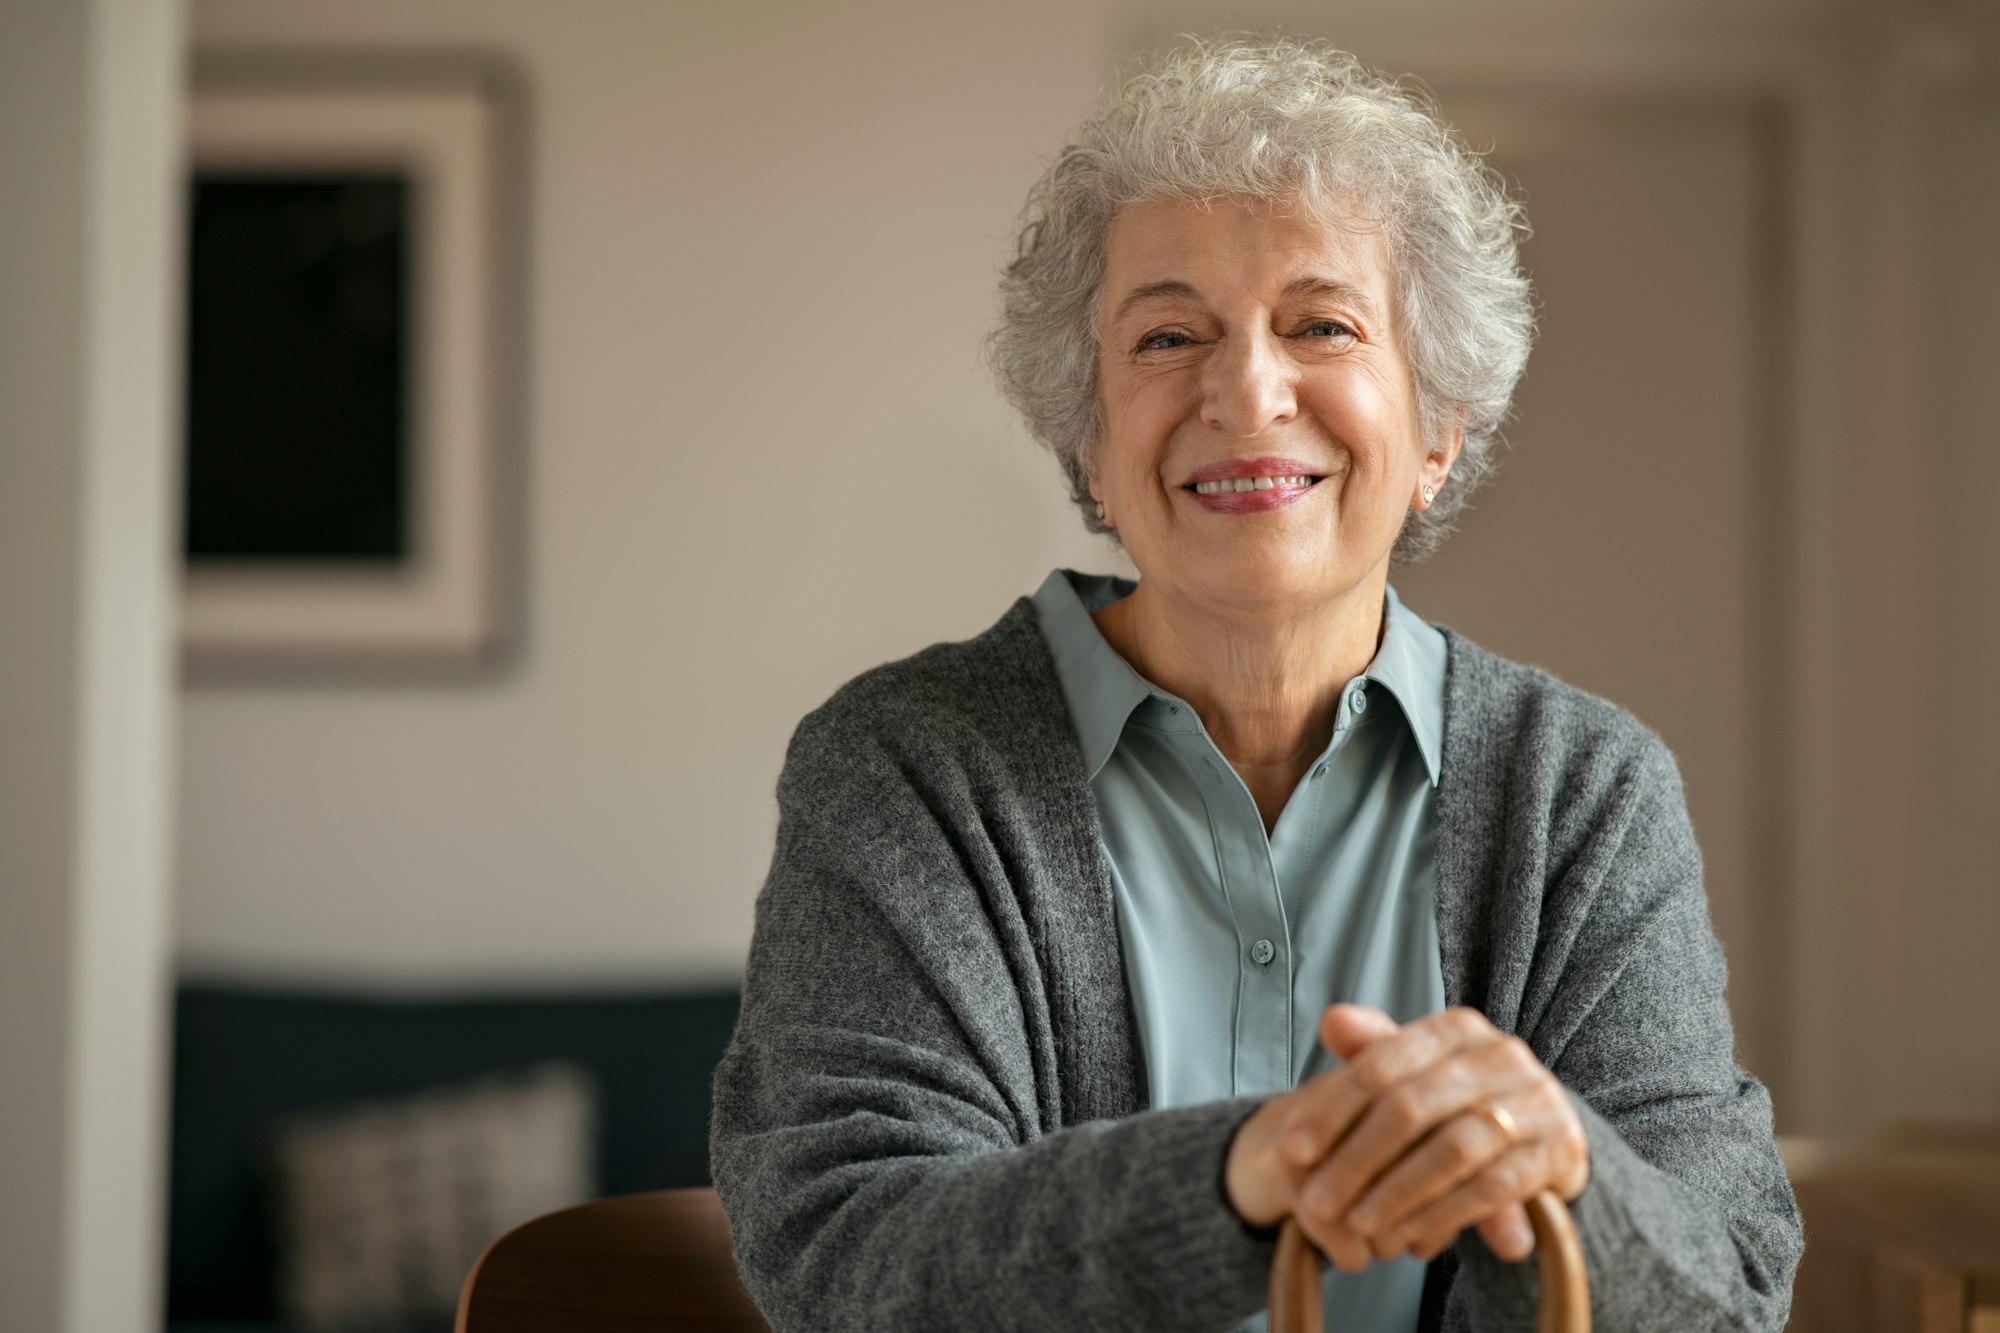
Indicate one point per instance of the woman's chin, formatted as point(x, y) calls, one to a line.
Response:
point(1279, 583)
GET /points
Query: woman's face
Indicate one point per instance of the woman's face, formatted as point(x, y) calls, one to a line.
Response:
point(1239, 344)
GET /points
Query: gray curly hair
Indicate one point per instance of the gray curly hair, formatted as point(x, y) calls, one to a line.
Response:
point(1288, 121)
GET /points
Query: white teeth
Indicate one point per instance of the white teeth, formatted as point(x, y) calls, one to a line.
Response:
point(1240, 484)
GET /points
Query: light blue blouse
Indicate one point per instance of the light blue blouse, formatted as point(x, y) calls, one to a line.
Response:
point(1234, 942)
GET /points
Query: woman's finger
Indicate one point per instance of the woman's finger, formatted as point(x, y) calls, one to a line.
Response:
point(1448, 1156)
point(1338, 1098)
point(1496, 1192)
point(1349, 1029)
point(1336, 1240)
point(1509, 1234)
point(1400, 1116)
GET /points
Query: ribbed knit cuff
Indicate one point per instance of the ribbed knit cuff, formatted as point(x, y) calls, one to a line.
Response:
point(1217, 1265)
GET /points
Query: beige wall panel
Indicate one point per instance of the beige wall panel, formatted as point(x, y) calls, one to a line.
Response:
point(1618, 546)
point(1928, 918)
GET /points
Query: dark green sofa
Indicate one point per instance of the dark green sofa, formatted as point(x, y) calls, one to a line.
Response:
point(244, 1058)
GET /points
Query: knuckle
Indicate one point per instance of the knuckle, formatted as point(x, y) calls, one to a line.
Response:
point(1340, 1246)
point(1403, 1107)
point(1372, 1076)
point(1571, 1136)
point(1336, 1183)
point(1464, 1020)
point(1510, 1178)
point(1321, 1193)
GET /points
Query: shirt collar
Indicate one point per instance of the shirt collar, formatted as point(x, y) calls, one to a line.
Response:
point(1102, 689)
point(1410, 665)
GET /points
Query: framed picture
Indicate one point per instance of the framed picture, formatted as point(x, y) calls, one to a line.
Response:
point(352, 366)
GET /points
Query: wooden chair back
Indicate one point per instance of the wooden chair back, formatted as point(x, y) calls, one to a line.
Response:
point(663, 1260)
point(654, 1261)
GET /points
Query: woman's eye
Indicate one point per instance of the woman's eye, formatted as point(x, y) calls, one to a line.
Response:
point(1328, 328)
point(1164, 341)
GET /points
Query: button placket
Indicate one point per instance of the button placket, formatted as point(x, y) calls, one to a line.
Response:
point(1263, 1031)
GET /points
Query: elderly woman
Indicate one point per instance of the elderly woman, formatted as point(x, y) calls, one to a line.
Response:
point(1097, 945)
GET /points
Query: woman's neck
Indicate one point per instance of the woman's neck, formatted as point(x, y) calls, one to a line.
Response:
point(1266, 686)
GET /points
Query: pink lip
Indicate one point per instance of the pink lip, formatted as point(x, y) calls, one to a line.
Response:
point(1252, 502)
point(1231, 468)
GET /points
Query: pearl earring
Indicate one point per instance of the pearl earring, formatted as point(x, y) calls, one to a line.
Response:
point(1100, 511)
point(1429, 493)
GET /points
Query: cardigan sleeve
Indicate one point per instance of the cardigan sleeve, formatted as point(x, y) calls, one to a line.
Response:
point(1688, 1221)
point(881, 1139)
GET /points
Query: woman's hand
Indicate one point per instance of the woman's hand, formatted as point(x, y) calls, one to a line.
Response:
point(1390, 1154)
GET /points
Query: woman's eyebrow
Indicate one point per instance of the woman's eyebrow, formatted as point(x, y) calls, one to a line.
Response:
point(1337, 288)
point(1154, 291)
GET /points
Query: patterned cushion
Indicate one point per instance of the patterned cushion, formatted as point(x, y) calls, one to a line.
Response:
point(386, 1206)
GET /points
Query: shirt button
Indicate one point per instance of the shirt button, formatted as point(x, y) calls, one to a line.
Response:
point(1357, 700)
point(1262, 952)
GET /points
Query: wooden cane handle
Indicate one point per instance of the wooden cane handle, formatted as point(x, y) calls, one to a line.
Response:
point(1295, 1292)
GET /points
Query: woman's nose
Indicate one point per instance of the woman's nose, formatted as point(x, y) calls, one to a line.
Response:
point(1248, 386)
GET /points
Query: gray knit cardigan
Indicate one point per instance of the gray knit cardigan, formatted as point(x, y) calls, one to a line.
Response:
point(933, 1114)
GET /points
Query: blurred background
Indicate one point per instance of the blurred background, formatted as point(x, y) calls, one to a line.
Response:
point(700, 427)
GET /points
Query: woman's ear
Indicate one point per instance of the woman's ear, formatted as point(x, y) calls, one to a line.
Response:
point(1436, 469)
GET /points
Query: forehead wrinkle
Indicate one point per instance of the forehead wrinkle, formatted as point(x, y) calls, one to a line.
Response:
point(1338, 289)
point(1173, 289)
point(1156, 291)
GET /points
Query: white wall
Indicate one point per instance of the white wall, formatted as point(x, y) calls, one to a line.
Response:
point(764, 456)
point(1623, 544)
point(89, 114)
point(1903, 884)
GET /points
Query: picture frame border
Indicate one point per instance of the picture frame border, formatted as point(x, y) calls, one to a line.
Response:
point(459, 611)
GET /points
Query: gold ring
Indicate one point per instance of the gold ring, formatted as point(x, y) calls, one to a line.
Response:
point(1497, 1117)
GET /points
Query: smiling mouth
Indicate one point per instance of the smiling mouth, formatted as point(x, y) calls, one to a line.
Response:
point(1238, 485)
